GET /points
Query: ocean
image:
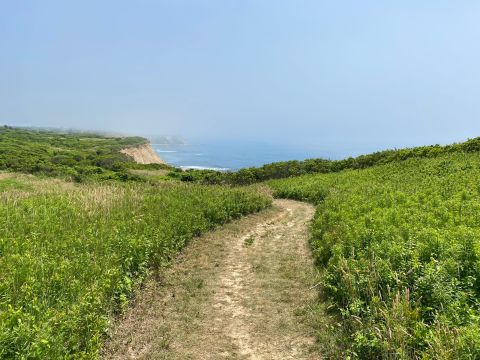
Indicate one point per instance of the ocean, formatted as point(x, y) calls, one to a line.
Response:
point(232, 155)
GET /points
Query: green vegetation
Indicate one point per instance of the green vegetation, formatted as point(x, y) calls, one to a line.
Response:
point(285, 169)
point(249, 240)
point(400, 248)
point(71, 254)
point(396, 234)
point(76, 156)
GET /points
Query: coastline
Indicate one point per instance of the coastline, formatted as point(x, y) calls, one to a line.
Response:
point(143, 154)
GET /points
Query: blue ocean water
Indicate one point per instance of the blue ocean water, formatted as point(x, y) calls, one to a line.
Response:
point(232, 155)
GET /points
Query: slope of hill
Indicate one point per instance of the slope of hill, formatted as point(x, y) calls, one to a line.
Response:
point(285, 169)
point(72, 254)
point(77, 156)
point(396, 237)
point(400, 248)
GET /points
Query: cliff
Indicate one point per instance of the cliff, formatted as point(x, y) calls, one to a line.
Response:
point(143, 154)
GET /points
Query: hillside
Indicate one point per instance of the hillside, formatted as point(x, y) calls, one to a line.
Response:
point(75, 156)
point(399, 245)
point(244, 291)
point(82, 224)
point(395, 238)
point(72, 254)
point(285, 169)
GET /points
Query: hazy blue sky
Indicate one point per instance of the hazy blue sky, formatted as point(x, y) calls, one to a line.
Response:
point(352, 74)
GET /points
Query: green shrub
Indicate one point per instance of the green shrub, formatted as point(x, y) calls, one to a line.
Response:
point(71, 255)
point(286, 169)
point(400, 244)
point(76, 156)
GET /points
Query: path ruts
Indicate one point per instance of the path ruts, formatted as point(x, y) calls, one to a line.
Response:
point(237, 293)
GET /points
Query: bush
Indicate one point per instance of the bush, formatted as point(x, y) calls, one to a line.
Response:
point(400, 249)
point(71, 256)
point(66, 155)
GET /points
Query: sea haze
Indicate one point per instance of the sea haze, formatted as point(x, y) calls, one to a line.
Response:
point(233, 155)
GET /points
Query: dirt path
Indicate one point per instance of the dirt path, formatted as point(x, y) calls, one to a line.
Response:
point(240, 292)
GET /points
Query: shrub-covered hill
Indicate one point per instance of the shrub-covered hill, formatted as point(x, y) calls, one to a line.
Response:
point(71, 254)
point(285, 169)
point(77, 156)
point(399, 245)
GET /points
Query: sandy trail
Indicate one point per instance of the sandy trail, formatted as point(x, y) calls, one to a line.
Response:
point(237, 293)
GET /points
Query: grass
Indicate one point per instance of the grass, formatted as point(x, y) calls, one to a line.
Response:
point(399, 247)
point(216, 302)
point(154, 174)
point(71, 255)
point(396, 237)
point(249, 240)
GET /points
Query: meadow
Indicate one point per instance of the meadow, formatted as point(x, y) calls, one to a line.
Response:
point(399, 247)
point(396, 236)
point(72, 254)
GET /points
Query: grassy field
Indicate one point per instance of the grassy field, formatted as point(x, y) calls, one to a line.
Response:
point(71, 254)
point(400, 246)
point(396, 236)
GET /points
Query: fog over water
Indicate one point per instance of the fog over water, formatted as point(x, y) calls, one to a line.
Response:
point(313, 78)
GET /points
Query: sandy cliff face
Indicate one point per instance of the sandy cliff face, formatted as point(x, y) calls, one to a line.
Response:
point(143, 154)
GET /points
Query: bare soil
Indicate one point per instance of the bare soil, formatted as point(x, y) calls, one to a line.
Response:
point(143, 154)
point(241, 292)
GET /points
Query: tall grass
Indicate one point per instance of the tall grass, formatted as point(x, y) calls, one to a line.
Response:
point(70, 257)
point(400, 249)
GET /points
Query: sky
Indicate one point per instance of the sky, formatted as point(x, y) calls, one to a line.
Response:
point(344, 74)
